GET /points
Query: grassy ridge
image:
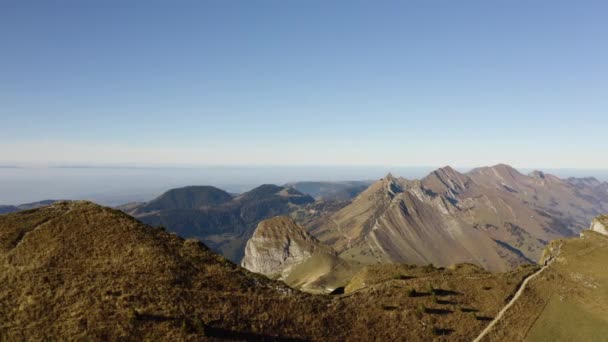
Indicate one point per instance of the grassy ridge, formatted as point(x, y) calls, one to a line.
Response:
point(78, 271)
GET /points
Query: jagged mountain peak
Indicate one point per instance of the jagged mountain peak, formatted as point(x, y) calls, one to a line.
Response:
point(388, 186)
point(446, 180)
point(392, 184)
point(449, 172)
point(446, 169)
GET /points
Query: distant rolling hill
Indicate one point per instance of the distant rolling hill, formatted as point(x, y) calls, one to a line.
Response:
point(334, 191)
point(190, 197)
point(5, 209)
point(222, 221)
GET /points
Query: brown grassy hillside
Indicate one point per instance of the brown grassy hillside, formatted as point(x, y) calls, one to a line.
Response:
point(76, 270)
point(568, 301)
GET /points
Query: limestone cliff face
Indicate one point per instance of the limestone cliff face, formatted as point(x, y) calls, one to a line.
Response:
point(277, 246)
point(600, 224)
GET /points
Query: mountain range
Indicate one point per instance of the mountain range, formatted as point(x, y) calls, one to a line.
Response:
point(494, 217)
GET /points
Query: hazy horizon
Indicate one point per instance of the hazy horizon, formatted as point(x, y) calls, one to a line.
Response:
point(119, 185)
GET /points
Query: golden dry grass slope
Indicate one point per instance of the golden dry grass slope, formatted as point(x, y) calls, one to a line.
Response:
point(568, 301)
point(78, 271)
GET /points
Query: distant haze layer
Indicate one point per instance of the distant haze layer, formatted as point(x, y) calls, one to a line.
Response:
point(119, 185)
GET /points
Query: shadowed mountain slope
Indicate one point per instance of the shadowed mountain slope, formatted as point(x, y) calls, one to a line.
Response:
point(5, 209)
point(191, 197)
point(330, 191)
point(223, 222)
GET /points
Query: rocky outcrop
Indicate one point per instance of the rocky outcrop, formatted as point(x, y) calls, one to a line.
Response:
point(600, 224)
point(281, 249)
point(277, 246)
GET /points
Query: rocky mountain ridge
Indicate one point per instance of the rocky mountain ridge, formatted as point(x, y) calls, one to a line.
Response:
point(494, 217)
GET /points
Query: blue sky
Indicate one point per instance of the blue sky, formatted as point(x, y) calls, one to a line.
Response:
point(400, 83)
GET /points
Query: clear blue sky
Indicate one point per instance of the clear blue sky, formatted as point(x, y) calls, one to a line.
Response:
point(304, 82)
